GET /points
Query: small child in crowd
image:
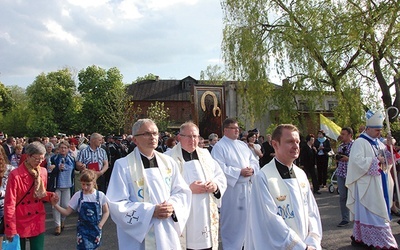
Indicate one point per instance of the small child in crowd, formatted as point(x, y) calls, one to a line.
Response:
point(92, 207)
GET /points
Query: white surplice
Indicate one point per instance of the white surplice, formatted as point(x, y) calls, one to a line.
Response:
point(283, 212)
point(233, 156)
point(134, 216)
point(202, 225)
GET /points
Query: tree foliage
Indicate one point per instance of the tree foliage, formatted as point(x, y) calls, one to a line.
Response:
point(149, 76)
point(316, 45)
point(15, 121)
point(159, 114)
point(100, 90)
point(117, 115)
point(213, 75)
point(6, 101)
point(51, 100)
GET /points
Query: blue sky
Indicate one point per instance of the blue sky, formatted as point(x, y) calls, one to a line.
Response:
point(171, 39)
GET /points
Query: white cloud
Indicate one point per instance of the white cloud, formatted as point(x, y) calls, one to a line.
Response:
point(86, 4)
point(57, 31)
point(172, 39)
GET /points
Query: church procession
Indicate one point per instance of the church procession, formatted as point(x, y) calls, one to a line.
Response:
point(238, 191)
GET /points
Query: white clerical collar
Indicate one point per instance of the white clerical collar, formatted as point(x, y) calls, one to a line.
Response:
point(149, 158)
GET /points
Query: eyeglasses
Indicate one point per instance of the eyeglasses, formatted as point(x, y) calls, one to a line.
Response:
point(38, 158)
point(148, 134)
point(236, 128)
point(190, 136)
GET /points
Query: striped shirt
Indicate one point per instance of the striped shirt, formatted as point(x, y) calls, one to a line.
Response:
point(88, 155)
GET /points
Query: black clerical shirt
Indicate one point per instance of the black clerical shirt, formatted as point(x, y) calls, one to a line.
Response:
point(284, 171)
point(189, 156)
point(149, 163)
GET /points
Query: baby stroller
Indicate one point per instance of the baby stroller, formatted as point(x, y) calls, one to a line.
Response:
point(332, 187)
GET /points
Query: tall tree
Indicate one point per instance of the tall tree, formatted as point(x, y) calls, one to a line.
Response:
point(213, 75)
point(51, 99)
point(99, 88)
point(118, 103)
point(15, 121)
point(159, 114)
point(380, 25)
point(6, 101)
point(316, 45)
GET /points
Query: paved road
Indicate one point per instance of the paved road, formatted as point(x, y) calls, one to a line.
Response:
point(333, 238)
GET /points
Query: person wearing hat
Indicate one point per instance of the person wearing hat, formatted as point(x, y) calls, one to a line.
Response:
point(367, 181)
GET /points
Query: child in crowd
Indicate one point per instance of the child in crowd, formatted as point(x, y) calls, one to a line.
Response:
point(92, 207)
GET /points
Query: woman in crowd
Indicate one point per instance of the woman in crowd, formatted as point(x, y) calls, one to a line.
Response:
point(255, 148)
point(5, 170)
point(16, 156)
point(170, 143)
point(24, 210)
point(49, 152)
point(73, 150)
point(323, 146)
point(62, 166)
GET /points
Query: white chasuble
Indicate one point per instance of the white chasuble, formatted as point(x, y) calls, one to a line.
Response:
point(283, 212)
point(133, 193)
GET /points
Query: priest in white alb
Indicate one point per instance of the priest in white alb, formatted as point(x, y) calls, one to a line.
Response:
point(283, 211)
point(239, 165)
point(149, 199)
point(207, 182)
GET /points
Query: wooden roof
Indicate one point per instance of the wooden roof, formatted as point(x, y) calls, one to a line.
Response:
point(162, 90)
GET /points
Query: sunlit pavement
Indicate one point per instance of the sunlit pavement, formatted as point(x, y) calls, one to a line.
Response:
point(333, 237)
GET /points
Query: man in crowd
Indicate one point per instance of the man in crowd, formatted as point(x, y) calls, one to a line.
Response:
point(268, 151)
point(207, 183)
point(283, 211)
point(9, 146)
point(342, 157)
point(368, 192)
point(239, 165)
point(149, 199)
point(212, 139)
point(94, 157)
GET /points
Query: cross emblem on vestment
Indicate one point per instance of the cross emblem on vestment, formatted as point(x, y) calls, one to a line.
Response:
point(205, 232)
point(131, 217)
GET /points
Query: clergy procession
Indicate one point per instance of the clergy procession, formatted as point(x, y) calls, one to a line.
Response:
point(226, 196)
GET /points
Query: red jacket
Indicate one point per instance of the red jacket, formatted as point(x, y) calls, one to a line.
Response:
point(28, 218)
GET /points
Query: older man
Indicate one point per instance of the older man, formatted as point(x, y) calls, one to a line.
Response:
point(284, 213)
point(149, 199)
point(207, 183)
point(212, 139)
point(94, 157)
point(239, 164)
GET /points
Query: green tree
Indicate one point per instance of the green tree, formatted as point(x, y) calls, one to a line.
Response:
point(213, 75)
point(149, 76)
point(51, 99)
point(6, 101)
point(159, 115)
point(378, 29)
point(116, 118)
point(99, 88)
point(316, 45)
point(15, 121)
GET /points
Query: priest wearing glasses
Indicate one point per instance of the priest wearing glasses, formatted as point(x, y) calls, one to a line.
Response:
point(149, 199)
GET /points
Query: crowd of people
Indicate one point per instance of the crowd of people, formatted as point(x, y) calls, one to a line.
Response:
point(176, 191)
